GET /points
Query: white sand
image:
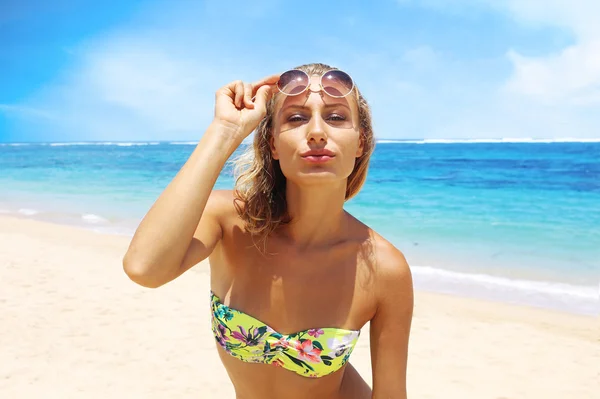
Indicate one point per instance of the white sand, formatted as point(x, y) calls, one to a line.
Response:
point(74, 326)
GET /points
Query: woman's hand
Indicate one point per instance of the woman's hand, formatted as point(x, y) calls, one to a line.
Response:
point(240, 106)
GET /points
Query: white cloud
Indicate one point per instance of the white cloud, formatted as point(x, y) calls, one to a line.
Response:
point(26, 112)
point(132, 86)
point(571, 76)
point(152, 79)
point(151, 84)
point(553, 94)
point(167, 91)
point(422, 57)
point(580, 16)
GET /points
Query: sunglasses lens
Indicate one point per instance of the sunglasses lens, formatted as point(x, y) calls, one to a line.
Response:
point(293, 82)
point(337, 83)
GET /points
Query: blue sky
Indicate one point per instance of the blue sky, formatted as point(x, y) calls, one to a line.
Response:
point(77, 70)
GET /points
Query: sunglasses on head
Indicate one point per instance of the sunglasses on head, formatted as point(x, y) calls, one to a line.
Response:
point(334, 83)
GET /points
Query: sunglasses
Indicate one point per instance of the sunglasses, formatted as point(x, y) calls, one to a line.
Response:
point(334, 83)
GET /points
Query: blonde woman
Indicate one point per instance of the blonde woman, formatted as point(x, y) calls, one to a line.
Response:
point(294, 277)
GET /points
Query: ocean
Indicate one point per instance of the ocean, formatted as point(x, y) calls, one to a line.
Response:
point(512, 221)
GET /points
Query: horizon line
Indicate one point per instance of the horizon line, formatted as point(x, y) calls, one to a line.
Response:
point(381, 140)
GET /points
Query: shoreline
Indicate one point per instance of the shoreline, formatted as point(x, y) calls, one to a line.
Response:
point(76, 326)
point(538, 293)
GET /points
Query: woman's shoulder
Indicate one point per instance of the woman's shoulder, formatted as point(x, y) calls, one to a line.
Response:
point(391, 271)
point(390, 259)
point(222, 204)
point(385, 256)
point(222, 196)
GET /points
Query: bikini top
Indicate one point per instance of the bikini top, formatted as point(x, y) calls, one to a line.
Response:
point(310, 353)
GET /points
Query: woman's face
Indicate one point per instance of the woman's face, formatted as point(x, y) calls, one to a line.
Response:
point(316, 138)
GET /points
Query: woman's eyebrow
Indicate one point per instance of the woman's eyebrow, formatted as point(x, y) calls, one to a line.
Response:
point(330, 105)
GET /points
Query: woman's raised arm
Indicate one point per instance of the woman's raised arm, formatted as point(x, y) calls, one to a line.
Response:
point(161, 248)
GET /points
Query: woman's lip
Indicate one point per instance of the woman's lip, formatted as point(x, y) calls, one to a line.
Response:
point(318, 158)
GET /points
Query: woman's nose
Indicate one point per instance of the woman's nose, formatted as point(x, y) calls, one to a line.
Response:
point(316, 129)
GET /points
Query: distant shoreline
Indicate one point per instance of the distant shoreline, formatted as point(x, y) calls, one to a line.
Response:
point(379, 140)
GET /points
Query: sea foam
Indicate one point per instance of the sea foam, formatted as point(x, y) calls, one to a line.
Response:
point(567, 297)
point(94, 219)
point(28, 211)
point(491, 141)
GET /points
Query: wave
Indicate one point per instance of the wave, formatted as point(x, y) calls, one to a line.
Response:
point(113, 230)
point(491, 141)
point(28, 211)
point(69, 144)
point(115, 143)
point(83, 143)
point(134, 144)
point(554, 295)
point(94, 219)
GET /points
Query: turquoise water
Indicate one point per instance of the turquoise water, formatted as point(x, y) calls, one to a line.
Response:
point(518, 222)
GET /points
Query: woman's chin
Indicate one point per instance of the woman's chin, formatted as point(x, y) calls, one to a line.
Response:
point(320, 177)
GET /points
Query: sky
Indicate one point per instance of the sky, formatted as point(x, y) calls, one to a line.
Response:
point(147, 70)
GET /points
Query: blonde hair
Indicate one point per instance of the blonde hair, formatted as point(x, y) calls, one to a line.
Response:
point(260, 186)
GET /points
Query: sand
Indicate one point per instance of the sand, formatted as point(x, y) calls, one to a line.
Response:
point(74, 326)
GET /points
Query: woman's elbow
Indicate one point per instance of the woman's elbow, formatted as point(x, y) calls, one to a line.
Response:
point(140, 273)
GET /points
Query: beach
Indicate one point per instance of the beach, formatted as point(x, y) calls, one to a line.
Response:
point(74, 326)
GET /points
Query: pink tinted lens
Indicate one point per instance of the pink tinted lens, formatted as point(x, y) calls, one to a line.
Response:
point(293, 82)
point(337, 83)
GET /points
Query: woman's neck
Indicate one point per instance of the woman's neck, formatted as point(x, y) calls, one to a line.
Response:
point(317, 215)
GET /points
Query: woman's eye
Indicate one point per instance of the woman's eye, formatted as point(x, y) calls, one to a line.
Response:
point(295, 118)
point(300, 118)
point(337, 117)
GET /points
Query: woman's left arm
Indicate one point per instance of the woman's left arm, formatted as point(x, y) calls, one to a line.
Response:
point(390, 327)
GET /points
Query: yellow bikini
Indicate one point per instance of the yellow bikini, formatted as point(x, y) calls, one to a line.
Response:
point(311, 353)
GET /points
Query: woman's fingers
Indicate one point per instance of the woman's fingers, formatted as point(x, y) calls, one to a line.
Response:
point(248, 91)
point(271, 88)
point(238, 93)
point(243, 94)
point(263, 95)
point(268, 80)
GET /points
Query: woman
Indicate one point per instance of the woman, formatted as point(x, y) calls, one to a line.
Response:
point(294, 277)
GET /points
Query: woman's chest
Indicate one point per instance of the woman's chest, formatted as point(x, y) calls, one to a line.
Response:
point(292, 290)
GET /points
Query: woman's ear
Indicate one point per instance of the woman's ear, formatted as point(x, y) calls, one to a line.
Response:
point(361, 145)
point(274, 153)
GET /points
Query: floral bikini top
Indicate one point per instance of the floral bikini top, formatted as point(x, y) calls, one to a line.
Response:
point(310, 353)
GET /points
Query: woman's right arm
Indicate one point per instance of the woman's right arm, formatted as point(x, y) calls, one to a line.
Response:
point(182, 227)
